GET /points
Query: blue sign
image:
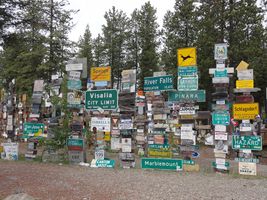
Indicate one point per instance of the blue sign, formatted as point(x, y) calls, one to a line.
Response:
point(74, 84)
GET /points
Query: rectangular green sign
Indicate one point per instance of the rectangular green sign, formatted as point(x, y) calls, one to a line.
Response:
point(101, 99)
point(158, 83)
point(227, 164)
point(187, 83)
point(75, 142)
point(247, 142)
point(158, 163)
point(32, 129)
point(187, 71)
point(74, 84)
point(183, 96)
point(220, 118)
point(105, 163)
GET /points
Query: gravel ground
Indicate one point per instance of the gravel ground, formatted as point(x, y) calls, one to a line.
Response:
point(53, 181)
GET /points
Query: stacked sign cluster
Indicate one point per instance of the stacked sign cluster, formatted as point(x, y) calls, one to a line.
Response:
point(220, 107)
point(187, 83)
point(126, 123)
point(100, 102)
point(247, 135)
point(75, 143)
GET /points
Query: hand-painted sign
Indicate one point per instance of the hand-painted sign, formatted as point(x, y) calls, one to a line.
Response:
point(11, 151)
point(104, 99)
point(244, 84)
point(100, 73)
point(187, 56)
point(188, 83)
point(220, 118)
point(187, 71)
point(245, 74)
point(165, 164)
point(247, 142)
point(245, 111)
point(158, 83)
point(182, 96)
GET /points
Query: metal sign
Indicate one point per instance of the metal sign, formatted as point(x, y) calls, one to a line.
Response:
point(74, 84)
point(187, 57)
point(220, 118)
point(74, 67)
point(32, 129)
point(248, 160)
point(220, 80)
point(220, 51)
point(100, 154)
point(247, 168)
point(188, 110)
point(38, 86)
point(100, 123)
point(245, 110)
point(74, 75)
point(247, 142)
point(101, 73)
point(104, 99)
point(165, 164)
point(244, 84)
point(103, 163)
point(188, 83)
point(181, 96)
point(158, 83)
point(187, 71)
point(75, 144)
point(219, 135)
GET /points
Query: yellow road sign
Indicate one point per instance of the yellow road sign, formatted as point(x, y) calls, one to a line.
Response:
point(187, 56)
point(100, 73)
point(244, 84)
point(245, 110)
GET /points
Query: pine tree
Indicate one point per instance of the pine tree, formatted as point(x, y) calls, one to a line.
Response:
point(99, 50)
point(147, 37)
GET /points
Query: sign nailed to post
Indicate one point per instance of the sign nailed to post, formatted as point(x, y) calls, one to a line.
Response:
point(101, 99)
point(158, 83)
point(187, 57)
point(188, 83)
point(220, 118)
point(100, 73)
point(247, 142)
point(166, 164)
point(182, 96)
point(245, 110)
point(32, 129)
point(220, 51)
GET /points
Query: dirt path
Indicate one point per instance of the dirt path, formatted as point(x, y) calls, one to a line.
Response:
point(51, 181)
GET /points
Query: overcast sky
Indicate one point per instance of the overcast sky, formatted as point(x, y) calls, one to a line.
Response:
point(92, 13)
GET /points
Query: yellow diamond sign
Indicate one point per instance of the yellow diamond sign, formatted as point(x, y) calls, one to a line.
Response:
point(187, 56)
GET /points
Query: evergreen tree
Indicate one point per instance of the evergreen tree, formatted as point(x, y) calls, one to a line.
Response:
point(115, 34)
point(147, 38)
point(85, 45)
point(99, 50)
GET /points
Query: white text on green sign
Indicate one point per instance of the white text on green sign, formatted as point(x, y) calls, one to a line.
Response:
point(247, 142)
point(158, 83)
point(101, 99)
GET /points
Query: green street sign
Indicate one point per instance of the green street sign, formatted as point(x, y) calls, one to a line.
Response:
point(220, 73)
point(183, 96)
point(158, 163)
point(74, 84)
point(32, 129)
point(247, 142)
point(221, 118)
point(187, 71)
point(227, 164)
point(75, 142)
point(188, 162)
point(101, 99)
point(103, 163)
point(158, 83)
point(187, 83)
